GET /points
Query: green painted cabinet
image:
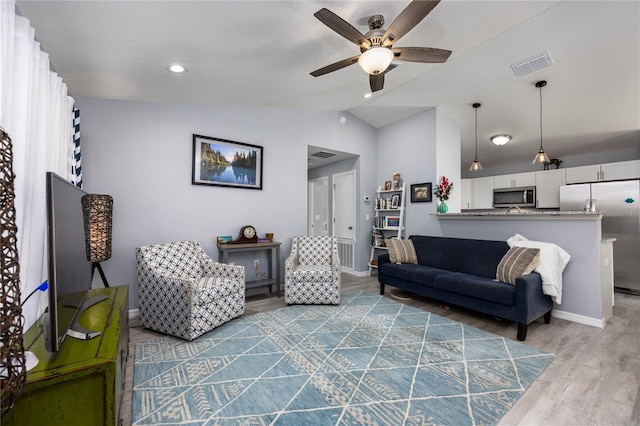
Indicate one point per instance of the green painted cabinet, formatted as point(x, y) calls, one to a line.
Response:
point(82, 384)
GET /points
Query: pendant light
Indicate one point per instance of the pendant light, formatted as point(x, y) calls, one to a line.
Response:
point(476, 166)
point(541, 156)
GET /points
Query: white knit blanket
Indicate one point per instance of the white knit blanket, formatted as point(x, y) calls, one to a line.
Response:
point(553, 260)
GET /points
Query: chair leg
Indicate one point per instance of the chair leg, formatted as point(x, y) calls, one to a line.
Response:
point(381, 289)
point(547, 317)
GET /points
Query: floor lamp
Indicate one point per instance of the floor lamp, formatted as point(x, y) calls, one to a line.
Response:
point(97, 211)
point(13, 369)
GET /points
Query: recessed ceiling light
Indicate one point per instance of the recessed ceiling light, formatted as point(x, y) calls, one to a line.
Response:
point(367, 95)
point(177, 69)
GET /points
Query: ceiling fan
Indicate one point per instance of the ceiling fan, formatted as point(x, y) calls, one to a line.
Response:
point(376, 46)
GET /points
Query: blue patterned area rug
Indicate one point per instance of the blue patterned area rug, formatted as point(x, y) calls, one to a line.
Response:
point(370, 360)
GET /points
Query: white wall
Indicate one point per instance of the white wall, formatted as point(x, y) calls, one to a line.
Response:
point(422, 148)
point(141, 153)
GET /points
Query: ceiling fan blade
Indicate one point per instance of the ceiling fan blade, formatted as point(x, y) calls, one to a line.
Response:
point(408, 18)
point(376, 82)
point(421, 54)
point(342, 27)
point(335, 67)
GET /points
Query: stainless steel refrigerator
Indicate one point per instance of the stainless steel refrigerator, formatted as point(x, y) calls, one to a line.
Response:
point(619, 203)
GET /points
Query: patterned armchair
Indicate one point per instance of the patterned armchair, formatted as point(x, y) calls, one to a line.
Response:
point(312, 271)
point(183, 292)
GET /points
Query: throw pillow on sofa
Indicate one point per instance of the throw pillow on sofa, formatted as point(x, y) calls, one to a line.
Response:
point(517, 261)
point(401, 251)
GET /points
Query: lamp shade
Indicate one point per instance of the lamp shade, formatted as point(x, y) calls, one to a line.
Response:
point(97, 211)
point(475, 166)
point(375, 60)
point(541, 157)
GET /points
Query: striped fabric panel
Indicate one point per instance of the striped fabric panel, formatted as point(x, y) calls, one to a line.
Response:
point(401, 251)
point(76, 161)
point(516, 262)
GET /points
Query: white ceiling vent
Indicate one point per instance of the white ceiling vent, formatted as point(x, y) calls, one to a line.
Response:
point(532, 64)
point(323, 154)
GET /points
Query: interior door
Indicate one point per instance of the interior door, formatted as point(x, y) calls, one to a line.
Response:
point(318, 223)
point(344, 205)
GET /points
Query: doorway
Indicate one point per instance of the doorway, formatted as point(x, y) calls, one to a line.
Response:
point(318, 220)
point(344, 216)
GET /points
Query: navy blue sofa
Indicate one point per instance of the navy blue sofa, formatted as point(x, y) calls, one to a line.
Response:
point(462, 272)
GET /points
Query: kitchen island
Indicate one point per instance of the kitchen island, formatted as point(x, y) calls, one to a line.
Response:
point(587, 294)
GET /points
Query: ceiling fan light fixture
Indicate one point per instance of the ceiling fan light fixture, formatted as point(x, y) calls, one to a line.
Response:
point(500, 139)
point(376, 60)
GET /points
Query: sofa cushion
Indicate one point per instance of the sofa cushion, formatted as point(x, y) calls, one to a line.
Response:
point(413, 273)
point(518, 261)
point(480, 288)
point(401, 251)
point(474, 257)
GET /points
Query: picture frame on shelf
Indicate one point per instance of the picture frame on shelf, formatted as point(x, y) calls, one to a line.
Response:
point(395, 201)
point(224, 239)
point(387, 185)
point(422, 192)
point(393, 221)
point(221, 162)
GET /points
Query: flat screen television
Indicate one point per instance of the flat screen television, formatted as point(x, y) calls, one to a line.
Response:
point(68, 268)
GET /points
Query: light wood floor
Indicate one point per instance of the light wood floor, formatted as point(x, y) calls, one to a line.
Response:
point(593, 380)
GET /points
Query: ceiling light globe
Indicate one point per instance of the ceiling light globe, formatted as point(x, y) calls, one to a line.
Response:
point(500, 139)
point(177, 69)
point(375, 60)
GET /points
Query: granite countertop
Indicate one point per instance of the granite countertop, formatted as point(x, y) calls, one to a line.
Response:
point(537, 214)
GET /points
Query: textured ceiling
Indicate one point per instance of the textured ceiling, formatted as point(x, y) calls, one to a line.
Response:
point(260, 53)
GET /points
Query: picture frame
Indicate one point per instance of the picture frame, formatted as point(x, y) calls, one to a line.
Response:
point(395, 201)
point(393, 221)
point(387, 185)
point(422, 192)
point(224, 239)
point(221, 162)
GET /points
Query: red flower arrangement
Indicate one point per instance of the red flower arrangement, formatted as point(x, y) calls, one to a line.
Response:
point(443, 190)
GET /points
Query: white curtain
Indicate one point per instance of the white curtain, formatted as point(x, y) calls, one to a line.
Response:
point(36, 112)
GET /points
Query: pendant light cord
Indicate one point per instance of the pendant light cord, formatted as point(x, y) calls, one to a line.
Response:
point(476, 133)
point(541, 116)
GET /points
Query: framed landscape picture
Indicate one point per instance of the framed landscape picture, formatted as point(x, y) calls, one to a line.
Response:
point(421, 193)
point(222, 162)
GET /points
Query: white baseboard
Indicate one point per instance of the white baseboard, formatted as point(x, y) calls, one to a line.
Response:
point(581, 319)
point(353, 272)
point(134, 318)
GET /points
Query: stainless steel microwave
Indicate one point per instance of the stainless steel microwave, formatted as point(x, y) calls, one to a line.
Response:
point(521, 197)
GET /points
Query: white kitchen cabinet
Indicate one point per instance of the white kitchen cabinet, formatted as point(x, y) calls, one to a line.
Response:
point(483, 193)
point(516, 180)
point(466, 193)
point(583, 174)
point(548, 183)
point(620, 170)
point(604, 172)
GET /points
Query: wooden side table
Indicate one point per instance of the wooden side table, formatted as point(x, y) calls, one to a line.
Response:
point(273, 249)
